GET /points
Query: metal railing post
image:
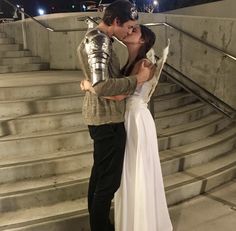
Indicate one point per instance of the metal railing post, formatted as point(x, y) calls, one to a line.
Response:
point(90, 24)
point(23, 29)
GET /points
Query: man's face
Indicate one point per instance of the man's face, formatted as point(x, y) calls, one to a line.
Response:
point(122, 31)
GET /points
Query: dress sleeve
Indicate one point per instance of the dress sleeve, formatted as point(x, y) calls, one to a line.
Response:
point(159, 66)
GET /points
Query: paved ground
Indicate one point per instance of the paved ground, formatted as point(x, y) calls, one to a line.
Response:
point(214, 211)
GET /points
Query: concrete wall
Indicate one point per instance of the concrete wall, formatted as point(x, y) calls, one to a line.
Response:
point(207, 67)
point(223, 9)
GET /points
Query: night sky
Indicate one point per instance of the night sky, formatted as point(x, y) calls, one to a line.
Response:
point(55, 6)
point(50, 6)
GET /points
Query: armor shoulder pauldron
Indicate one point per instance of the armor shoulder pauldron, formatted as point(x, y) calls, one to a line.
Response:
point(98, 48)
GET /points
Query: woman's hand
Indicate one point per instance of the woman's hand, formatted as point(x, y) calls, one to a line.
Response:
point(145, 70)
point(86, 85)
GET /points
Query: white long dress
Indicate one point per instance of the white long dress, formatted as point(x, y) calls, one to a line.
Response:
point(140, 202)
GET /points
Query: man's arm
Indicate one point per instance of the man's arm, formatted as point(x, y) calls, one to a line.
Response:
point(97, 49)
point(85, 85)
point(125, 85)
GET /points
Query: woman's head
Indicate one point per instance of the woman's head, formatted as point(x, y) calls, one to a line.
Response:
point(148, 37)
point(141, 39)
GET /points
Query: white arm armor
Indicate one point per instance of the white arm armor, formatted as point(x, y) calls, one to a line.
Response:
point(98, 49)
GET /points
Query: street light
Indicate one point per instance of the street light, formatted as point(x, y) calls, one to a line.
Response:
point(41, 11)
point(155, 3)
point(151, 6)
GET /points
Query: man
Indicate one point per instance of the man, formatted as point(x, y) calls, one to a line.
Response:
point(105, 117)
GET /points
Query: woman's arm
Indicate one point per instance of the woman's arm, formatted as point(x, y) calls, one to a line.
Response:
point(116, 97)
point(147, 63)
point(85, 85)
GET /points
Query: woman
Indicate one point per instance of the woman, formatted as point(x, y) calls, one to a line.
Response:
point(140, 203)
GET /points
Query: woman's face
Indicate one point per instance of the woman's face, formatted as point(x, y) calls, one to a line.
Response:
point(134, 37)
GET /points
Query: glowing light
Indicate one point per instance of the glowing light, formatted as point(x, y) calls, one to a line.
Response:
point(155, 3)
point(41, 11)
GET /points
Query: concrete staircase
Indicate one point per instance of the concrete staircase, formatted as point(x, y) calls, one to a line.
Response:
point(13, 58)
point(45, 149)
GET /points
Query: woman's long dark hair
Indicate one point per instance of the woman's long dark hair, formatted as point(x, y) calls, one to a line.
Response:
point(149, 38)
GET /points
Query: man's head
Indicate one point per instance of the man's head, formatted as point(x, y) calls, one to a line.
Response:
point(122, 16)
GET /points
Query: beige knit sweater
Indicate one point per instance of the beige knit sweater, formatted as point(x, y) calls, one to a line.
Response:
point(96, 109)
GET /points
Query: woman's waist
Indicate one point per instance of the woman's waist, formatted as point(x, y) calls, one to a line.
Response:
point(135, 101)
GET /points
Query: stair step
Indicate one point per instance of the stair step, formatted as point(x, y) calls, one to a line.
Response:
point(197, 153)
point(15, 161)
point(2, 35)
point(6, 40)
point(22, 167)
point(20, 60)
point(40, 91)
point(57, 212)
point(46, 150)
point(170, 101)
point(171, 138)
point(194, 181)
point(191, 125)
point(44, 142)
point(47, 121)
point(173, 160)
point(181, 115)
point(10, 47)
point(191, 132)
point(41, 122)
point(3, 191)
point(24, 67)
point(15, 54)
point(44, 191)
point(166, 88)
point(46, 88)
point(180, 186)
point(43, 89)
point(47, 105)
point(40, 78)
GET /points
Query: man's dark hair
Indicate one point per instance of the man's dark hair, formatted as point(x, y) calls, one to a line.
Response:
point(123, 10)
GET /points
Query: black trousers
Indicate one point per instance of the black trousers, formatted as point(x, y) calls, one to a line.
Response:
point(109, 147)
